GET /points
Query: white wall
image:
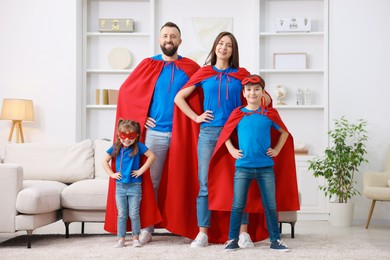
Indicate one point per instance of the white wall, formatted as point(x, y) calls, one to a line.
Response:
point(359, 71)
point(242, 24)
point(38, 61)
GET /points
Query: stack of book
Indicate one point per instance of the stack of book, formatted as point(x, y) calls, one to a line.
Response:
point(106, 96)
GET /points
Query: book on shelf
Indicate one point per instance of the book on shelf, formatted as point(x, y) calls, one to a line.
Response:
point(106, 96)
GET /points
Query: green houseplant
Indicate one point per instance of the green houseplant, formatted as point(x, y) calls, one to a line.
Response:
point(339, 165)
point(341, 161)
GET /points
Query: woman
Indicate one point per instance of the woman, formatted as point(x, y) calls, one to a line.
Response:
point(220, 82)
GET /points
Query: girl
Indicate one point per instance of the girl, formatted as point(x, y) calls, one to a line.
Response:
point(127, 151)
point(221, 85)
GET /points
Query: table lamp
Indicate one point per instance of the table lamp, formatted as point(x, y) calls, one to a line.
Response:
point(17, 110)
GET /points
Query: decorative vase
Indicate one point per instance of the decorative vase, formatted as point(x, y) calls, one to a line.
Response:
point(341, 214)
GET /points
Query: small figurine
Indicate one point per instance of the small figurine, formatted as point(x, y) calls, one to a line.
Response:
point(281, 93)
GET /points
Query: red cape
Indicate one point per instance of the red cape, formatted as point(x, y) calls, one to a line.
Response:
point(134, 99)
point(285, 171)
point(181, 182)
point(222, 176)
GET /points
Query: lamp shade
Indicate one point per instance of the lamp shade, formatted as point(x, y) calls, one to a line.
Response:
point(17, 109)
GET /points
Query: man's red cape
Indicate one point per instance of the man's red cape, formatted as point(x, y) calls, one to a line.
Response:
point(134, 99)
point(181, 182)
point(222, 174)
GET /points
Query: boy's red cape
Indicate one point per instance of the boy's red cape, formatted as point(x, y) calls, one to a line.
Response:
point(134, 99)
point(178, 207)
point(222, 176)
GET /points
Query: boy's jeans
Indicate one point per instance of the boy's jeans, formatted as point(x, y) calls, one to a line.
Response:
point(265, 178)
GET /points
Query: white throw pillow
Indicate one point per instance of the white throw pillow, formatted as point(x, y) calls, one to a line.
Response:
point(101, 146)
point(61, 162)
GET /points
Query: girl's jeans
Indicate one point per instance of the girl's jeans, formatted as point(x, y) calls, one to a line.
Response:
point(265, 178)
point(207, 141)
point(128, 198)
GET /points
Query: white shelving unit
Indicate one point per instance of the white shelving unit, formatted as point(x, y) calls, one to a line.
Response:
point(307, 123)
point(98, 120)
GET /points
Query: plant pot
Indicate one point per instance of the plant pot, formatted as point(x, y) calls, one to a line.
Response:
point(341, 214)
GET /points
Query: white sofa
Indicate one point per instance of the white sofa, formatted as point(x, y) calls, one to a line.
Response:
point(40, 183)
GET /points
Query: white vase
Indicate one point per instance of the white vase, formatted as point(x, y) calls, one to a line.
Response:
point(341, 214)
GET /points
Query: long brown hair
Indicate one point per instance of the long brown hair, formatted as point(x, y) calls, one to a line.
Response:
point(126, 126)
point(233, 60)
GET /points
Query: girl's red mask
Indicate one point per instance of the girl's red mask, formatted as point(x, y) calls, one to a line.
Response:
point(129, 135)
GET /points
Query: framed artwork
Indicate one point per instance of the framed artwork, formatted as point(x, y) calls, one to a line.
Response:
point(200, 33)
point(290, 60)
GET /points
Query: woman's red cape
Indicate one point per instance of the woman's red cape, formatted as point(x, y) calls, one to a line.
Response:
point(134, 99)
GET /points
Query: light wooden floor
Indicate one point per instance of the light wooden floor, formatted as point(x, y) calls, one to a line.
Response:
point(377, 234)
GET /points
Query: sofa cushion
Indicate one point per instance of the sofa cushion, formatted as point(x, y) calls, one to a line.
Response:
point(101, 146)
point(65, 163)
point(38, 197)
point(86, 194)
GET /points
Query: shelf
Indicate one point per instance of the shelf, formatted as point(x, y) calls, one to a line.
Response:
point(303, 107)
point(108, 71)
point(95, 47)
point(291, 34)
point(301, 71)
point(118, 34)
point(101, 106)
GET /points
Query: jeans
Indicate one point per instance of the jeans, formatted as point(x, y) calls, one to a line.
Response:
point(128, 198)
point(158, 143)
point(207, 141)
point(265, 178)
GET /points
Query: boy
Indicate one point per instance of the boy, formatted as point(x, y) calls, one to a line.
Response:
point(254, 159)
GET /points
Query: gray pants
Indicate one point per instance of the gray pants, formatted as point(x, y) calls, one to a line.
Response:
point(158, 143)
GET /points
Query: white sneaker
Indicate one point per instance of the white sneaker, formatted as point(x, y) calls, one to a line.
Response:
point(136, 243)
point(121, 243)
point(244, 240)
point(201, 240)
point(145, 237)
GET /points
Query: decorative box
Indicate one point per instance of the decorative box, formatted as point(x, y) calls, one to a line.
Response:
point(116, 25)
point(112, 96)
point(293, 25)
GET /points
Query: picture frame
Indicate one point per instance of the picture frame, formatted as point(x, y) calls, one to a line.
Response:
point(290, 60)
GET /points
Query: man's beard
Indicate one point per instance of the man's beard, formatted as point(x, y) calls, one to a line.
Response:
point(170, 52)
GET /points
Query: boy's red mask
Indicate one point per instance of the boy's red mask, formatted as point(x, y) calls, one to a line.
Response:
point(129, 135)
point(254, 79)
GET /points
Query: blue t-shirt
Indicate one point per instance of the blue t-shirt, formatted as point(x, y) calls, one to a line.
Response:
point(254, 138)
point(222, 94)
point(170, 81)
point(125, 163)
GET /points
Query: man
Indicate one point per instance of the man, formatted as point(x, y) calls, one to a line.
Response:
point(147, 97)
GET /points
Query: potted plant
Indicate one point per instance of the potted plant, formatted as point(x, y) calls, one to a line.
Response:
point(339, 165)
